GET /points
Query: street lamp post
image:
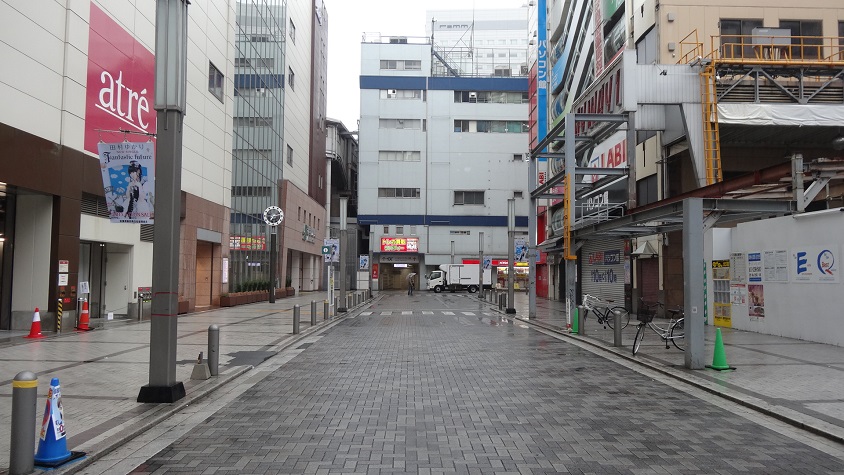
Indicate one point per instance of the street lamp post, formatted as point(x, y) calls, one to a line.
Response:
point(511, 255)
point(344, 203)
point(273, 216)
point(171, 36)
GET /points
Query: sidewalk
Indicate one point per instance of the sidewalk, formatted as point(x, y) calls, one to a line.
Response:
point(102, 371)
point(796, 381)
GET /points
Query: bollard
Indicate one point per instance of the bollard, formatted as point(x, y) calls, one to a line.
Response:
point(59, 312)
point(616, 318)
point(140, 307)
point(325, 311)
point(24, 399)
point(296, 310)
point(336, 305)
point(313, 313)
point(500, 302)
point(581, 320)
point(213, 349)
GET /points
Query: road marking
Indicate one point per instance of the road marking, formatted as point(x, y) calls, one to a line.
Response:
point(407, 313)
point(386, 313)
point(366, 313)
point(471, 314)
point(425, 312)
point(448, 313)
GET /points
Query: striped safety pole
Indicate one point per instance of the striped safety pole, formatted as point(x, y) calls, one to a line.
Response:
point(59, 317)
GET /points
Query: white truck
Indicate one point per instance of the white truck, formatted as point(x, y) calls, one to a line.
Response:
point(458, 277)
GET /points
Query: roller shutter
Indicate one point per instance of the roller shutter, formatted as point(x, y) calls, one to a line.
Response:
point(603, 270)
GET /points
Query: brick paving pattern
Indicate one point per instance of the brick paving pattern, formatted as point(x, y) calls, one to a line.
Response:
point(468, 392)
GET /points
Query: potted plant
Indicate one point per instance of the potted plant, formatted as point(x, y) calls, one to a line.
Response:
point(288, 285)
point(226, 300)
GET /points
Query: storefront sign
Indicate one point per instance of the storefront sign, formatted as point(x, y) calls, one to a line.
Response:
point(399, 244)
point(606, 258)
point(121, 76)
point(399, 259)
point(815, 264)
point(308, 234)
point(248, 243)
point(375, 271)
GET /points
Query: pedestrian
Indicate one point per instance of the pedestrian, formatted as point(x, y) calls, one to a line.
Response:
point(410, 283)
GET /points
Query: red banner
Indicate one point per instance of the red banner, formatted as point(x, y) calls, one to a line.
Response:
point(121, 76)
point(374, 271)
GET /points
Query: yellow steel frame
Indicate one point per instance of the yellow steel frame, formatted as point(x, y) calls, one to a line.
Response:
point(567, 219)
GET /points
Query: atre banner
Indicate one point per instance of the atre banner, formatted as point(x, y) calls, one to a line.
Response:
point(128, 170)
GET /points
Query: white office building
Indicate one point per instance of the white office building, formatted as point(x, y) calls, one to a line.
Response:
point(441, 153)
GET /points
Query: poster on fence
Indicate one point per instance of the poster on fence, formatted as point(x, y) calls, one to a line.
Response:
point(128, 170)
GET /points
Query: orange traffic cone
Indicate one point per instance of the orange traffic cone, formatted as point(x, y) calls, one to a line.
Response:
point(83, 318)
point(35, 329)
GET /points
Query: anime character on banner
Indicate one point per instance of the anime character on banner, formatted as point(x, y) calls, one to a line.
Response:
point(128, 181)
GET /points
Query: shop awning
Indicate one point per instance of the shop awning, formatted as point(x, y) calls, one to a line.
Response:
point(552, 244)
point(644, 250)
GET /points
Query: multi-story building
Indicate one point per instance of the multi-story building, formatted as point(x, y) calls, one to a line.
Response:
point(305, 183)
point(279, 142)
point(441, 153)
point(717, 100)
point(84, 75)
point(341, 153)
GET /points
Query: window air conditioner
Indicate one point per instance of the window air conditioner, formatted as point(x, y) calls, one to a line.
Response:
point(473, 95)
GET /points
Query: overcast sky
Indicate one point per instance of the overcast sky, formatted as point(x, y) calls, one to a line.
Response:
point(349, 19)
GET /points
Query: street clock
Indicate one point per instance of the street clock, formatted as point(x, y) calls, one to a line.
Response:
point(273, 216)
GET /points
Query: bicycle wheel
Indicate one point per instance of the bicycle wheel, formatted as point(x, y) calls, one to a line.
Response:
point(637, 340)
point(625, 317)
point(678, 334)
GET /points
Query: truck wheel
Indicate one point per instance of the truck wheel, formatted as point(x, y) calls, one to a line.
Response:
point(472, 289)
point(438, 288)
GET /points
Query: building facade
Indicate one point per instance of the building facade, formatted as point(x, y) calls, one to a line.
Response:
point(441, 153)
point(85, 76)
point(710, 94)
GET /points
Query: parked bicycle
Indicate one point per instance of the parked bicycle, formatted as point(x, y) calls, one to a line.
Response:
point(605, 311)
point(673, 332)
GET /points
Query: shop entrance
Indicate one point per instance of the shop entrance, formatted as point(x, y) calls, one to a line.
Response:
point(394, 276)
point(204, 273)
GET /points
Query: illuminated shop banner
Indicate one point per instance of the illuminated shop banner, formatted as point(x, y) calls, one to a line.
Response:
point(248, 243)
point(399, 244)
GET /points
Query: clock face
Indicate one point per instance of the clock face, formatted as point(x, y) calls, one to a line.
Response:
point(273, 216)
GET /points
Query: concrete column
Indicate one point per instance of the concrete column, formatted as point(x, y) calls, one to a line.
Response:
point(693, 281)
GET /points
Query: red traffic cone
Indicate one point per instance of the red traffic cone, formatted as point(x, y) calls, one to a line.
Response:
point(35, 329)
point(83, 318)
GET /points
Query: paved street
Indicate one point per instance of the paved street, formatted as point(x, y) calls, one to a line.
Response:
point(440, 384)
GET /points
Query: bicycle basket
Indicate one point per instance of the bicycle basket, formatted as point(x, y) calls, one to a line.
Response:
point(591, 302)
point(645, 317)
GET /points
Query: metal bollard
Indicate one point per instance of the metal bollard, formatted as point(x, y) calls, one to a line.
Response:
point(581, 320)
point(213, 349)
point(296, 310)
point(24, 399)
point(313, 313)
point(326, 309)
point(500, 302)
point(616, 318)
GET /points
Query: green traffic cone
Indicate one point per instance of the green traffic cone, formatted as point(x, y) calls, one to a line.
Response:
point(719, 359)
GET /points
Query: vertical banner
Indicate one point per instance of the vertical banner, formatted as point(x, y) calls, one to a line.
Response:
point(363, 262)
point(128, 170)
point(333, 254)
point(520, 251)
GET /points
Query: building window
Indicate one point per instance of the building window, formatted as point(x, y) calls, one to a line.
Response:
point(841, 40)
point(216, 81)
point(736, 38)
point(491, 126)
point(413, 94)
point(399, 156)
point(518, 157)
point(289, 155)
point(413, 230)
point(264, 63)
point(414, 124)
point(398, 192)
point(809, 44)
point(401, 64)
point(291, 79)
point(256, 191)
point(517, 194)
point(469, 198)
point(400, 230)
point(292, 32)
point(253, 121)
point(491, 97)
point(386, 230)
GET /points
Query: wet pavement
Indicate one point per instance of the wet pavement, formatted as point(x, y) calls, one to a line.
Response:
point(437, 383)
